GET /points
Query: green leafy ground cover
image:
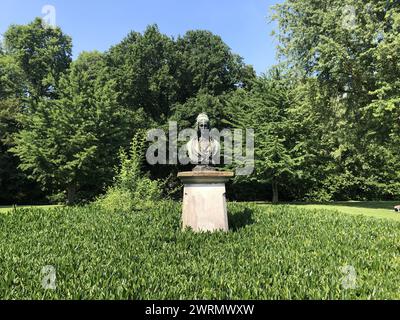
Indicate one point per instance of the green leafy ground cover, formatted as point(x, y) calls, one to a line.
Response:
point(271, 252)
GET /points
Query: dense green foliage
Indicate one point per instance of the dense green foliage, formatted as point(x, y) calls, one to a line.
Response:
point(72, 118)
point(345, 57)
point(274, 253)
point(32, 62)
point(10, 95)
point(266, 107)
point(326, 119)
point(42, 53)
point(153, 72)
point(132, 190)
point(70, 143)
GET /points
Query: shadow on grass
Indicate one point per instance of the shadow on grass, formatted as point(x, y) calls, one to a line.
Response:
point(240, 219)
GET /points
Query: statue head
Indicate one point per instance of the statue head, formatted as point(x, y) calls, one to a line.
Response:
point(202, 122)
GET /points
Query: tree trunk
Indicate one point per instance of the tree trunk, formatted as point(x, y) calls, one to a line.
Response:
point(71, 190)
point(275, 192)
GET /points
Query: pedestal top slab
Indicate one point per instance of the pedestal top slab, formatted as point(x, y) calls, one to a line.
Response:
point(210, 173)
point(205, 176)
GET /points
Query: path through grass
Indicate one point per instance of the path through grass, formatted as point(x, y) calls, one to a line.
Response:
point(10, 208)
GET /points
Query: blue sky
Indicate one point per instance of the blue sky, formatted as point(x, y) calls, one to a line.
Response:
point(96, 25)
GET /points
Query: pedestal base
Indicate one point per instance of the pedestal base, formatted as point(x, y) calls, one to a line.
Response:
point(204, 201)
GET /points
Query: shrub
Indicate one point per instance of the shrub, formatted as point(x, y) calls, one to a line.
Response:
point(117, 199)
point(132, 190)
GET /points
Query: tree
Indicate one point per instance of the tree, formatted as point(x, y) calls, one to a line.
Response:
point(186, 113)
point(207, 64)
point(155, 72)
point(71, 143)
point(12, 180)
point(143, 66)
point(43, 54)
point(32, 61)
point(340, 55)
point(266, 109)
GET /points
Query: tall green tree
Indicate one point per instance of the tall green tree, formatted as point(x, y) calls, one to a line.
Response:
point(144, 67)
point(207, 64)
point(345, 56)
point(13, 183)
point(155, 72)
point(43, 53)
point(32, 60)
point(266, 109)
point(71, 143)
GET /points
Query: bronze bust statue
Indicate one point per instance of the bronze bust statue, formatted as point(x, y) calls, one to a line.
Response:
point(203, 148)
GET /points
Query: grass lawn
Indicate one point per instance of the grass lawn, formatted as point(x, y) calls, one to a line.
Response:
point(10, 208)
point(270, 252)
point(376, 209)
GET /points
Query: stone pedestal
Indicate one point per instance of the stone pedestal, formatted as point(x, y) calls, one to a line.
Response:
point(204, 202)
